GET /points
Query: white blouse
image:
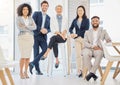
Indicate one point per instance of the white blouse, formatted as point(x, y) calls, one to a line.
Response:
point(26, 21)
point(95, 33)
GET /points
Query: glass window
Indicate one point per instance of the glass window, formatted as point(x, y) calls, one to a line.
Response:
point(93, 1)
point(96, 1)
point(101, 1)
point(6, 28)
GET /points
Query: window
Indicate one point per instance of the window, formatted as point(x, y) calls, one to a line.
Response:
point(7, 28)
point(93, 1)
point(96, 1)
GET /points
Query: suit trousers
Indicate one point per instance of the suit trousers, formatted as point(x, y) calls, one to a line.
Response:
point(87, 56)
point(78, 48)
point(39, 42)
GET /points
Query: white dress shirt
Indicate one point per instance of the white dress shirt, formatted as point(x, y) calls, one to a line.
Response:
point(43, 19)
point(95, 33)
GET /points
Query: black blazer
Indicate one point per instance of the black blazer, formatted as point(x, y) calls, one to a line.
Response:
point(80, 31)
point(37, 16)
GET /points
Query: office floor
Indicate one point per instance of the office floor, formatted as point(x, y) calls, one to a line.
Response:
point(59, 79)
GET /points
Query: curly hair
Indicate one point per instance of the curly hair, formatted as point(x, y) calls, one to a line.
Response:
point(20, 8)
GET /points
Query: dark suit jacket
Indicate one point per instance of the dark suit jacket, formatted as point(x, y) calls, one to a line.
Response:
point(37, 16)
point(80, 31)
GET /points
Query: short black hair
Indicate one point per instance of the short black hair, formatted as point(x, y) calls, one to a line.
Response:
point(20, 8)
point(44, 2)
point(95, 17)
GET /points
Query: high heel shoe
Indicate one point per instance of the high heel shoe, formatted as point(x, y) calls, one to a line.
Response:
point(80, 74)
point(57, 65)
point(22, 76)
point(26, 75)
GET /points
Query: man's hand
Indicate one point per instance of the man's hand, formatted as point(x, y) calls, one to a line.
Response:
point(73, 35)
point(43, 31)
point(57, 32)
point(96, 48)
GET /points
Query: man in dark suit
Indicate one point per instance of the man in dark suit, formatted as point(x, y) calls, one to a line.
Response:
point(42, 21)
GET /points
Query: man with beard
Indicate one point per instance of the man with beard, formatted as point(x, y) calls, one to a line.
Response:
point(93, 48)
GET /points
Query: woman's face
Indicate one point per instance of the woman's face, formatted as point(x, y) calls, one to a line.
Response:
point(80, 12)
point(59, 10)
point(25, 11)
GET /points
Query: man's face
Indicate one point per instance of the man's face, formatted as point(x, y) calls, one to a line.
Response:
point(95, 22)
point(58, 10)
point(44, 7)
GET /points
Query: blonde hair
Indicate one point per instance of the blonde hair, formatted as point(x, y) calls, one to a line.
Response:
point(58, 6)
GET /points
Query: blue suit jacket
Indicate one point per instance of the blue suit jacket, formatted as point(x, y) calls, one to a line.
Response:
point(37, 16)
point(80, 31)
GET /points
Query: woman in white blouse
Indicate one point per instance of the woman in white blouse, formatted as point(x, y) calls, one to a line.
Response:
point(26, 25)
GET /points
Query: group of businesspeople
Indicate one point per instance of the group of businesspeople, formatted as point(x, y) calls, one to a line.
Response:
point(33, 34)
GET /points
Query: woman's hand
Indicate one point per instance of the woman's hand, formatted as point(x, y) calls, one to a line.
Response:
point(73, 35)
point(22, 25)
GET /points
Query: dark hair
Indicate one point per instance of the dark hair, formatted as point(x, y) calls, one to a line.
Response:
point(20, 8)
point(44, 2)
point(95, 17)
point(84, 15)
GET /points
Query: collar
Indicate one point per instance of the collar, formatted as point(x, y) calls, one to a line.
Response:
point(59, 16)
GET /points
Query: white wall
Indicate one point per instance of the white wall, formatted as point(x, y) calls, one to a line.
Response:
point(7, 28)
point(112, 17)
point(54, 3)
point(109, 12)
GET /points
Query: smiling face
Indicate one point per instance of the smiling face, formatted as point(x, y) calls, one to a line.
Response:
point(58, 10)
point(44, 7)
point(80, 12)
point(95, 22)
point(25, 11)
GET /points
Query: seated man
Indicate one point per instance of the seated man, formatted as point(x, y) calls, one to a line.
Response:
point(93, 47)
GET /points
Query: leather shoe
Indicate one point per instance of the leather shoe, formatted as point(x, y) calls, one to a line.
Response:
point(91, 75)
point(31, 67)
point(39, 73)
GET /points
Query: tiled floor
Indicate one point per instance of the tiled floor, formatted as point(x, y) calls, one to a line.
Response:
point(59, 79)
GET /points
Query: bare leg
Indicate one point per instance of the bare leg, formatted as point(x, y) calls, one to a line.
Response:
point(46, 53)
point(57, 60)
point(22, 62)
point(27, 60)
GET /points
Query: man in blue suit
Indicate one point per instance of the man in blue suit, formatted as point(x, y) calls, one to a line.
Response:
point(42, 21)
